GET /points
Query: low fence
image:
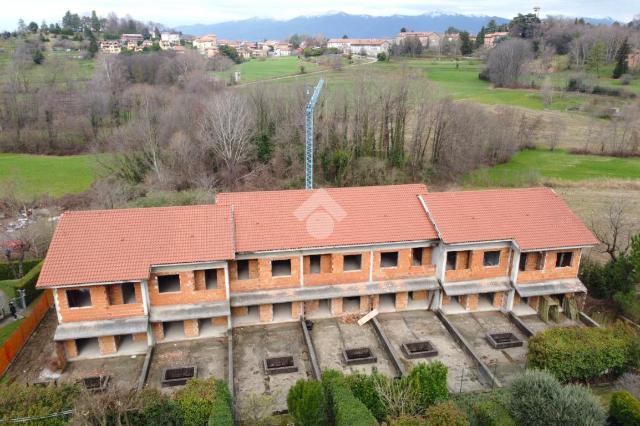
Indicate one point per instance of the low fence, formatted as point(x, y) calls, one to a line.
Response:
point(19, 337)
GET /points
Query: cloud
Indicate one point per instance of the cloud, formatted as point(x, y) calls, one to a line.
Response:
point(174, 12)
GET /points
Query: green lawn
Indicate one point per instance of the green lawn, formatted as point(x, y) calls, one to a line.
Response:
point(528, 166)
point(34, 175)
point(263, 69)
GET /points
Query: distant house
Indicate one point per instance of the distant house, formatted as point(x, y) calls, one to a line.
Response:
point(359, 46)
point(428, 39)
point(206, 43)
point(634, 60)
point(126, 38)
point(170, 37)
point(491, 39)
point(110, 46)
point(279, 48)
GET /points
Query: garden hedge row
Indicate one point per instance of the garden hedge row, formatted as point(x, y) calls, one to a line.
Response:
point(625, 409)
point(346, 409)
point(6, 269)
point(584, 354)
point(27, 282)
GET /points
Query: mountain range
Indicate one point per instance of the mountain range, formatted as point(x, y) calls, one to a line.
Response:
point(337, 24)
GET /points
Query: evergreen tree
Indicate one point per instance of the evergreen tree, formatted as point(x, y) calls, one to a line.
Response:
point(596, 57)
point(96, 25)
point(466, 47)
point(480, 38)
point(38, 57)
point(622, 60)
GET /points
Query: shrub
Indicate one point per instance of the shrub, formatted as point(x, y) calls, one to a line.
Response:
point(199, 398)
point(27, 283)
point(624, 408)
point(382, 57)
point(156, 409)
point(307, 403)
point(583, 354)
point(538, 399)
point(6, 269)
point(221, 411)
point(429, 382)
point(445, 414)
point(22, 401)
point(408, 421)
point(363, 387)
point(346, 409)
point(629, 304)
point(486, 408)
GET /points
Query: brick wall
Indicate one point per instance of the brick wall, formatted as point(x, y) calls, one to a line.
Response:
point(336, 274)
point(549, 271)
point(71, 348)
point(260, 276)
point(191, 328)
point(100, 308)
point(405, 268)
point(108, 345)
point(192, 289)
point(158, 331)
point(266, 313)
point(477, 270)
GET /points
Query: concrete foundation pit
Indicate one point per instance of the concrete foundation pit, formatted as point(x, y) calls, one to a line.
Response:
point(421, 349)
point(280, 365)
point(178, 376)
point(358, 356)
point(503, 340)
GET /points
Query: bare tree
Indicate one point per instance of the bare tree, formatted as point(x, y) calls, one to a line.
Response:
point(615, 233)
point(506, 62)
point(226, 128)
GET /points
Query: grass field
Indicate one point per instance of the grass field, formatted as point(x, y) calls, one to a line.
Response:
point(530, 166)
point(58, 65)
point(458, 79)
point(264, 69)
point(33, 175)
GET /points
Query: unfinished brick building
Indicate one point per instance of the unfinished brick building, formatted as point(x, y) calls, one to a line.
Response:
point(124, 279)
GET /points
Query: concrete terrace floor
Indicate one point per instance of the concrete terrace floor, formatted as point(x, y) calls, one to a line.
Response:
point(535, 323)
point(209, 355)
point(331, 336)
point(504, 363)
point(411, 326)
point(251, 345)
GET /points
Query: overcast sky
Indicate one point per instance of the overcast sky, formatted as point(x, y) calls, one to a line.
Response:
point(177, 12)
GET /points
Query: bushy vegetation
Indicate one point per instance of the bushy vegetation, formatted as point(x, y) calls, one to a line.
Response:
point(445, 414)
point(346, 409)
point(624, 409)
point(539, 399)
point(429, 383)
point(307, 403)
point(8, 271)
point(584, 354)
point(199, 398)
point(364, 388)
point(23, 401)
point(26, 283)
point(486, 408)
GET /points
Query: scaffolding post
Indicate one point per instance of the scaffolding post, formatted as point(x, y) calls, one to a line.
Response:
point(308, 148)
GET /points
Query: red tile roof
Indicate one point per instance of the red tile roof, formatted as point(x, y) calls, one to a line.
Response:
point(535, 218)
point(121, 245)
point(295, 219)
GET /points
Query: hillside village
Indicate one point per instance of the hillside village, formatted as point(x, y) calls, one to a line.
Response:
point(413, 229)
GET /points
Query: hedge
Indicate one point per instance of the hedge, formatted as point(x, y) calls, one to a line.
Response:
point(307, 403)
point(445, 414)
point(363, 387)
point(28, 283)
point(6, 270)
point(33, 401)
point(624, 408)
point(539, 399)
point(346, 409)
point(429, 382)
point(582, 353)
point(204, 401)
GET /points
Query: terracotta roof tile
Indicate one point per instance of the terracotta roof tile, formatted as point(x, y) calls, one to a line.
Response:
point(294, 219)
point(120, 245)
point(535, 218)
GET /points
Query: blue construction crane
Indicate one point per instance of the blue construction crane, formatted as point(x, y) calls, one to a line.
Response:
point(308, 148)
